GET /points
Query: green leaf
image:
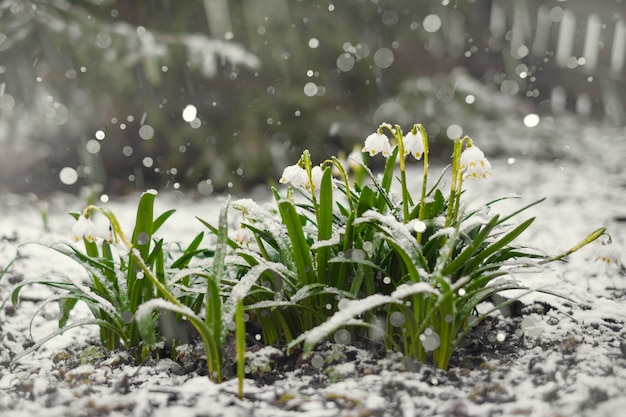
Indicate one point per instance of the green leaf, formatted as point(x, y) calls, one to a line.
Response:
point(215, 231)
point(158, 222)
point(299, 245)
point(109, 262)
point(146, 323)
point(324, 223)
point(190, 252)
point(66, 305)
point(156, 260)
point(213, 314)
point(144, 226)
point(366, 200)
point(384, 186)
point(496, 246)
point(470, 249)
point(433, 208)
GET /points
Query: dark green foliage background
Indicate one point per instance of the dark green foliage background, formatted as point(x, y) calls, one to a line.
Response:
point(236, 143)
point(255, 119)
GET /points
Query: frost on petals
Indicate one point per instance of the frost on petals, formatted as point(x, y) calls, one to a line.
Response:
point(414, 143)
point(377, 143)
point(84, 228)
point(474, 164)
point(295, 175)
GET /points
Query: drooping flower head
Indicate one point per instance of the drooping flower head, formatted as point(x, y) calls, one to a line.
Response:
point(316, 177)
point(610, 255)
point(84, 228)
point(243, 236)
point(377, 143)
point(414, 144)
point(295, 175)
point(473, 163)
point(298, 177)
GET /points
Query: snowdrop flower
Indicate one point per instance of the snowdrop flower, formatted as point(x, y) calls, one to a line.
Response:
point(316, 177)
point(84, 228)
point(110, 236)
point(474, 164)
point(377, 143)
point(243, 236)
point(296, 175)
point(609, 254)
point(414, 143)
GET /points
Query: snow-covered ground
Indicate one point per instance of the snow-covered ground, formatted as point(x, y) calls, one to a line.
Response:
point(559, 359)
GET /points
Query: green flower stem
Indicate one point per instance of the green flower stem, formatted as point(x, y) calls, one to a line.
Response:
point(240, 341)
point(454, 193)
point(306, 161)
point(346, 181)
point(444, 328)
point(397, 134)
point(424, 180)
point(457, 180)
point(590, 238)
point(405, 192)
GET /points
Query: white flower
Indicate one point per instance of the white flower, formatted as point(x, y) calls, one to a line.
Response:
point(377, 143)
point(84, 228)
point(414, 143)
point(296, 175)
point(316, 177)
point(243, 236)
point(474, 164)
point(610, 255)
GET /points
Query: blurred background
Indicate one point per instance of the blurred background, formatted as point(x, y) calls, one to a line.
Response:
point(215, 95)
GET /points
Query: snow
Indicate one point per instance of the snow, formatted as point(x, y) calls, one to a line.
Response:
point(567, 360)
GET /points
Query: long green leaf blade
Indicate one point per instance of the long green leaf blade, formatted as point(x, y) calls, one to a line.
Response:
point(324, 223)
point(300, 247)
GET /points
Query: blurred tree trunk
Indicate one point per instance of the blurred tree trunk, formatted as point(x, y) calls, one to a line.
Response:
point(218, 18)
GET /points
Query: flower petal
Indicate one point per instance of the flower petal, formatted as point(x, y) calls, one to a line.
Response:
point(294, 174)
point(474, 164)
point(377, 143)
point(414, 143)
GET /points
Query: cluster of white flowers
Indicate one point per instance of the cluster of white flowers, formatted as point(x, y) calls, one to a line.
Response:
point(414, 143)
point(473, 163)
point(297, 176)
point(379, 143)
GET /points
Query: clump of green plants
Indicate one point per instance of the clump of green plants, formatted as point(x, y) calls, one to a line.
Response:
point(341, 252)
point(133, 281)
point(351, 254)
